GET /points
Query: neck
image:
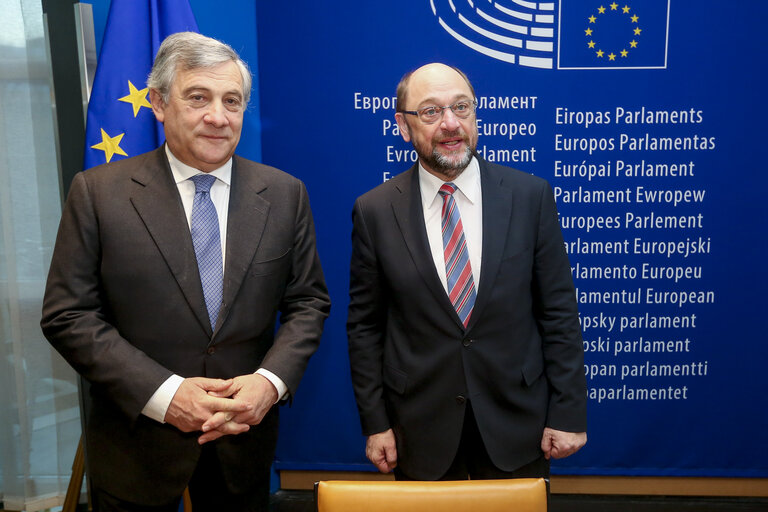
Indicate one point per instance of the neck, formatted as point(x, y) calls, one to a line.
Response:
point(450, 175)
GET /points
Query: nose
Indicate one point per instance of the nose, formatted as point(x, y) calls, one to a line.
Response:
point(449, 122)
point(216, 115)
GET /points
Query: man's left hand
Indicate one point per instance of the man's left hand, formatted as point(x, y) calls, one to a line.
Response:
point(557, 444)
point(253, 389)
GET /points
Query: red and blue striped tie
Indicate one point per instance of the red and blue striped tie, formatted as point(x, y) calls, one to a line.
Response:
point(458, 270)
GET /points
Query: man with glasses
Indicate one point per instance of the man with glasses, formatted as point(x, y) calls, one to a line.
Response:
point(464, 338)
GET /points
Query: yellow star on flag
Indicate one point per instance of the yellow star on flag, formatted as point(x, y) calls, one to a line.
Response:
point(110, 145)
point(601, 9)
point(624, 53)
point(637, 31)
point(600, 53)
point(592, 19)
point(633, 43)
point(635, 18)
point(137, 98)
point(614, 6)
point(591, 44)
point(625, 9)
point(588, 31)
point(611, 56)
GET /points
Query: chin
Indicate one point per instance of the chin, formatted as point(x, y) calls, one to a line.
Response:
point(452, 165)
point(217, 158)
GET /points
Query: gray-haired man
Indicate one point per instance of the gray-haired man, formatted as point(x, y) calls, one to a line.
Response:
point(169, 272)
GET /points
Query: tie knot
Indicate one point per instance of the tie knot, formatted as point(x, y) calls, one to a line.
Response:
point(203, 182)
point(447, 189)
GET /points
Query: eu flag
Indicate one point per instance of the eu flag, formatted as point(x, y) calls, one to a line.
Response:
point(594, 34)
point(120, 119)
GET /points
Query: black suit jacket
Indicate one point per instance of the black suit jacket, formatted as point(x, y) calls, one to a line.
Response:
point(520, 359)
point(124, 305)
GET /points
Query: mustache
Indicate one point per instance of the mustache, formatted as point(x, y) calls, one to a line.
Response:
point(454, 133)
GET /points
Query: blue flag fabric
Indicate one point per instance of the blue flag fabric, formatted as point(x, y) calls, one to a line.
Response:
point(598, 34)
point(120, 121)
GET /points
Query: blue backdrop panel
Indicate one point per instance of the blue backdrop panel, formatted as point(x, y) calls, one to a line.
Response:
point(647, 117)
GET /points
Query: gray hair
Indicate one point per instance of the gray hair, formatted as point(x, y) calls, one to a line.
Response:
point(189, 50)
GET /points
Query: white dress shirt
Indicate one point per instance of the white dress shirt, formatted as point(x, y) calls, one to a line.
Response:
point(158, 404)
point(469, 200)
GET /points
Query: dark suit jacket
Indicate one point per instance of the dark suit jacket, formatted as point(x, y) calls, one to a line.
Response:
point(124, 306)
point(520, 360)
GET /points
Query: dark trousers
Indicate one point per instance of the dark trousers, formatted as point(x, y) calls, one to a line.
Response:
point(473, 462)
point(207, 489)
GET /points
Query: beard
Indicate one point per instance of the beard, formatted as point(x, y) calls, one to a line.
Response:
point(451, 165)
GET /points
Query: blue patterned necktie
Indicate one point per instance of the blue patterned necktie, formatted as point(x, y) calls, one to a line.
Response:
point(458, 271)
point(207, 242)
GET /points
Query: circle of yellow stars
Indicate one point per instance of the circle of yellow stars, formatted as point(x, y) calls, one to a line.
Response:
point(632, 44)
point(111, 145)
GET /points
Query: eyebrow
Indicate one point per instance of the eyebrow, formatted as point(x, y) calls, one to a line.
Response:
point(201, 88)
point(433, 101)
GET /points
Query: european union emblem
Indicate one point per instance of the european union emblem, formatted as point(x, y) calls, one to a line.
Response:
point(120, 121)
point(598, 35)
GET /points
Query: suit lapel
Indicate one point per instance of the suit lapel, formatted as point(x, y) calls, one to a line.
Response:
point(158, 204)
point(409, 215)
point(248, 213)
point(497, 210)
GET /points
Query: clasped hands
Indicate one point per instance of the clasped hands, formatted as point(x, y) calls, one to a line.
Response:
point(220, 407)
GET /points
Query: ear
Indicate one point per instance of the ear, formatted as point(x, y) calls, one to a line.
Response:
point(158, 105)
point(403, 125)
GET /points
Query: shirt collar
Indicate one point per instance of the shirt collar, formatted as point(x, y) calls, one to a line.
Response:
point(182, 172)
point(468, 183)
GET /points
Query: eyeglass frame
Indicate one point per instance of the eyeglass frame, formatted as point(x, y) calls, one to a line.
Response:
point(442, 111)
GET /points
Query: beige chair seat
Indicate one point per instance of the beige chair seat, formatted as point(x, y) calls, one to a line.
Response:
point(515, 495)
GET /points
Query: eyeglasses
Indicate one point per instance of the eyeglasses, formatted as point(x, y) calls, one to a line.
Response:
point(428, 115)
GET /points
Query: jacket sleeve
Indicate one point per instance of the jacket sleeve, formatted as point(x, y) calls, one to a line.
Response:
point(366, 326)
point(75, 319)
point(556, 313)
point(304, 305)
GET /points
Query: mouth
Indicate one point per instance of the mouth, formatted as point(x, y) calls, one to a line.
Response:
point(452, 143)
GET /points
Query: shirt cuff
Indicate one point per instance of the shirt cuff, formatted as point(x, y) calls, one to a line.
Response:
point(276, 381)
point(159, 402)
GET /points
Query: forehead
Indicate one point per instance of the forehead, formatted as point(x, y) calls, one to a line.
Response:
point(222, 77)
point(436, 83)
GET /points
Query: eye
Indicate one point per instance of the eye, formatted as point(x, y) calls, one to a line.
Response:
point(233, 103)
point(429, 111)
point(461, 106)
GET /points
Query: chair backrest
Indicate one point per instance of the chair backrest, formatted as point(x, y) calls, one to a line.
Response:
point(517, 495)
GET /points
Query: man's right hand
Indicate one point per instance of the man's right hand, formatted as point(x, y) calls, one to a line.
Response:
point(192, 405)
point(382, 450)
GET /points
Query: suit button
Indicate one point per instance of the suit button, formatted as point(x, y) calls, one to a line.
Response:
point(211, 350)
point(461, 399)
point(467, 342)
